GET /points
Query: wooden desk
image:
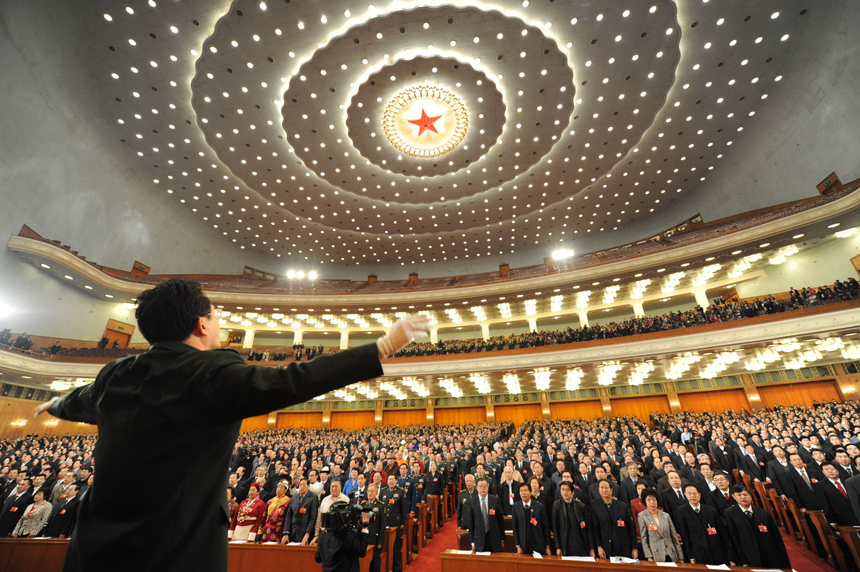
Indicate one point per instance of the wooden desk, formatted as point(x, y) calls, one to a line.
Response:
point(27, 555)
point(453, 562)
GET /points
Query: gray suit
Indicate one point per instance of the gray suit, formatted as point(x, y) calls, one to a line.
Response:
point(657, 544)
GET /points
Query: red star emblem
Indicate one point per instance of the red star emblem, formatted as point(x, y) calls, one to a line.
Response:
point(425, 123)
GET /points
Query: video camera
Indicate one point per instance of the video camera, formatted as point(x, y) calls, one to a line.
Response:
point(343, 516)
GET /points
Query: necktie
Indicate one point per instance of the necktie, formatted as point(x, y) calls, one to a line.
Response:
point(726, 495)
point(841, 490)
point(486, 514)
point(680, 496)
point(806, 479)
point(748, 514)
point(697, 510)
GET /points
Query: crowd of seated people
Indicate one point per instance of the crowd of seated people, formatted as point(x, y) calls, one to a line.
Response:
point(585, 487)
point(721, 311)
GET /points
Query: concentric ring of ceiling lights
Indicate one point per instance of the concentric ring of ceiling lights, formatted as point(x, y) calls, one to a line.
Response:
point(436, 134)
point(274, 87)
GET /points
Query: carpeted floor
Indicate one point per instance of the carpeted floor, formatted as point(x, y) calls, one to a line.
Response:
point(428, 559)
point(802, 560)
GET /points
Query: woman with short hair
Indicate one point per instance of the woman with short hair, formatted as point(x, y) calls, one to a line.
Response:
point(657, 532)
point(34, 518)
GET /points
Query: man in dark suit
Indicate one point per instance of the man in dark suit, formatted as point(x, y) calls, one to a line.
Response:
point(509, 491)
point(722, 496)
point(612, 525)
point(531, 525)
point(301, 516)
point(777, 469)
point(486, 521)
point(702, 530)
point(843, 464)
point(14, 507)
point(628, 485)
point(673, 497)
point(584, 478)
point(62, 520)
point(800, 483)
point(755, 538)
point(750, 464)
point(181, 393)
point(722, 455)
point(852, 485)
point(594, 490)
point(832, 497)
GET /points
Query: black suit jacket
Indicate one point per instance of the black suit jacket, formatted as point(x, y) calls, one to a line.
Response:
point(193, 401)
point(670, 502)
point(504, 496)
point(13, 509)
point(751, 468)
point(723, 459)
point(584, 482)
point(62, 519)
point(522, 519)
point(796, 488)
point(756, 542)
point(699, 543)
point(836, 507)
point(493, 541)
point(614, 539)
point(719, 502)
point(777, 474)
point(301, 517)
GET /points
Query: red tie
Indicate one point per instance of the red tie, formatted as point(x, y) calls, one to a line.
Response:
point(727, 495)
point(841, 490)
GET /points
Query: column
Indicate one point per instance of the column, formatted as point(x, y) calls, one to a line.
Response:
point(344, 339)
point(701, 298)
point(431, 420)
point(297, 337)
point(485, 331)
point(491, 413)
point(326, 422)
point(377, 417)
point(532, 324)
point(638, 311)
point(845, 383)
point(544, 405)
point(273, 418)
point(434, 335)
point(674, 401)
point(583, 318)
point(604, 401)
point(752, 393)
point(249, 338)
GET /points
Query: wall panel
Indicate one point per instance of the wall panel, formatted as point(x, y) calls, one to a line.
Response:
point(404, 418)
point(304, 419)
point(576, 410)
point(798, 393)
point(516, 414)
point(641, 407)
point(14, 410)
point(258, 423)
point(719, 401)
point(352, 419)
point(460, 415)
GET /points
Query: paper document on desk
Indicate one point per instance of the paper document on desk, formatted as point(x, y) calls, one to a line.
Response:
point(579, 558)
point(271, 543)
point(666, 564)
point(484, 553)
point(537, 554)
point(238, 541)
point(718, 567)
point(623, 560)
point(464, 552)
point(294, 544)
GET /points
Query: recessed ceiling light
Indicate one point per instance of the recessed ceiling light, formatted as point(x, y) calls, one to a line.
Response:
point(834, 225)
point(765, 245)
point(737, 251)
point(801, 235)
point(661, 270)
point(45, 266)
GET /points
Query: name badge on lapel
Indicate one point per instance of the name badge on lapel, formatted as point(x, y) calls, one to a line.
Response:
point(620, 523)
point(534, 522)
point(762, 528)
point(652, 527)
point(712, 531)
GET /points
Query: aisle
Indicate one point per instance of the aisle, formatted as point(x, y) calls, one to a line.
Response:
point(428, 559)
point(803, 560)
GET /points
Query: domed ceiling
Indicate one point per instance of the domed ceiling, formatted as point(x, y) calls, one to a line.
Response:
point(346, 133)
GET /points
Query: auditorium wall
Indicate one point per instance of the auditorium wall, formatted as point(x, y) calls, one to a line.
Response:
point(18, 410)
point(61, 174)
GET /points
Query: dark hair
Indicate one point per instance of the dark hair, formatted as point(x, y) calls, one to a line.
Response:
point(828, 464)
point(695, 486)
point(567, 484)
point(737, 489)
point(526, 485)
point(169, 312)
point(650, 492)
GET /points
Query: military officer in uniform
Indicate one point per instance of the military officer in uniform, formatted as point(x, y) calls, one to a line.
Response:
point(407, 483)
point(376, 528)
point(419, 479)
point(395, 514)
point(463, 502)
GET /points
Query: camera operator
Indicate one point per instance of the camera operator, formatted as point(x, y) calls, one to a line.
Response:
point(375, 529)
point(326, 505)
point(343, 538)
